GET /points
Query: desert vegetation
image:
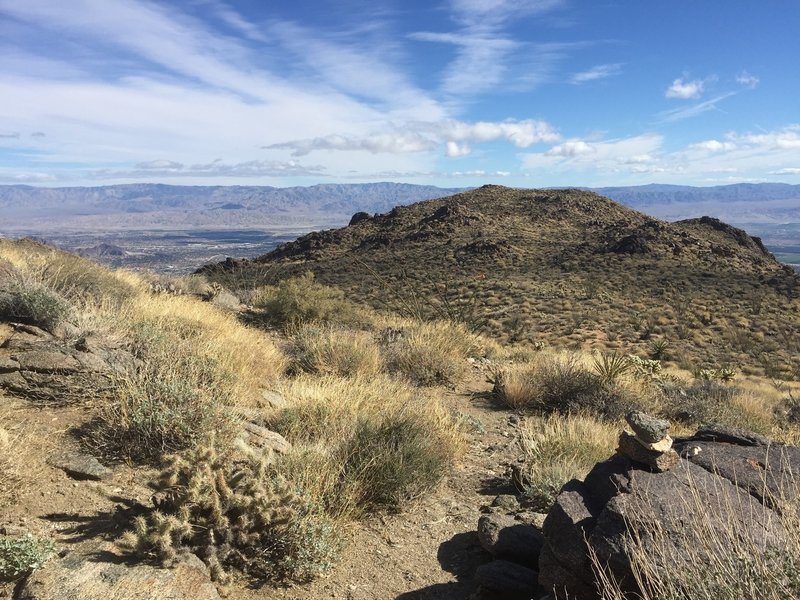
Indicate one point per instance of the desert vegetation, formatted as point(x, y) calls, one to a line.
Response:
point(353, 395)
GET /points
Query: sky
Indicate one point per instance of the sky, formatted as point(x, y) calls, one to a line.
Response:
point(456, 93)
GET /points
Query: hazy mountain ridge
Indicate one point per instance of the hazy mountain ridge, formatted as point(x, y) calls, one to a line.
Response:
point(140, 206)
point(145, 205)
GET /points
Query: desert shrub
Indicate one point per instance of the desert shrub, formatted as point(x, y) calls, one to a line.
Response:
point(332, 350)
point(21, 555)
point(561, 383)
point(25, 300)
point(557, 449)
point(299, 300)
point(174, 398)
point(394, 460)
point(369, 441)
point(431, 353)
point(235, 515)
point(81, 280)
point(706, 401)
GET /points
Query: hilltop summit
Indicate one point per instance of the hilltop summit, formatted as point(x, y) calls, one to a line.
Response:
point(545, 265)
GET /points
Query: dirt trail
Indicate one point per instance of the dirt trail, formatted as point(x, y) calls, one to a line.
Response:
point(430, 550)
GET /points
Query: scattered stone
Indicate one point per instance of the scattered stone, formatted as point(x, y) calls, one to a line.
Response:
point(508, 578)
point(274, 400)
point(648, 429)
point(100, 573)
point(504, 537)
point(261, 437)
point(718, 491)
point(506, 502)
point(630, 446)
point(80, 466)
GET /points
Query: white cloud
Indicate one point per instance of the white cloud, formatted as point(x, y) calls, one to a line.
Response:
point(713, 146)
point(14, 135)
point(597, 72)
point(455, 150)
point(606, 156)
point(34, 177)
point(685, 89)
point(456, 136)
point(571, 148)
point(747, 80)
point(786, 171)
point(160, 165)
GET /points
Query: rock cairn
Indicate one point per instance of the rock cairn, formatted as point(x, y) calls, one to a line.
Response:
point(650, 443)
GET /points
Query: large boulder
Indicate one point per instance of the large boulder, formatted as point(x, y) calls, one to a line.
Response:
point(40, 366)
point(99, 572)
point(723, 495)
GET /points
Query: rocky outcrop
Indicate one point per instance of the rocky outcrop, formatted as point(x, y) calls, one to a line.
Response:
point(99, 572)
point(53, 369)
point(722, 484)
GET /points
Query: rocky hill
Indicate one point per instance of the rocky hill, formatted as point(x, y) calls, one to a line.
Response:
point(565, 266)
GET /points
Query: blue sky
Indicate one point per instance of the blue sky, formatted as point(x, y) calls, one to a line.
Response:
point(454, 93)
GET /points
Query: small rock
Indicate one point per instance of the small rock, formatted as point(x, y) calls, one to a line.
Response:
point(648, 429)
point(273, 399)
point(504, 537)
point(661, 446)
point(508, 578)
point(262, 437)
point(80, 466)
point(507, 502)
point(630, 447)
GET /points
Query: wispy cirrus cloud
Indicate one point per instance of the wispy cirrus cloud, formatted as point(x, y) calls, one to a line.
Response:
point(487, 54)
point(597, 72)
point(687, 112)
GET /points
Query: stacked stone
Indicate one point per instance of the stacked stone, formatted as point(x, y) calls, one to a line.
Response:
point(650, 443)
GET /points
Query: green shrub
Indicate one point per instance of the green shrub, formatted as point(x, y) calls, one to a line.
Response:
point(706, 401)
point(172, 400)
point(394, 461)
point(555, 383)
point(27, 301)
point(235, 515)
point(21, 555)
point(299, 300)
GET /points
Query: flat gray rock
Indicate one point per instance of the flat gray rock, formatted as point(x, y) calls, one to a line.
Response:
point(80, 466)
point(100, 573)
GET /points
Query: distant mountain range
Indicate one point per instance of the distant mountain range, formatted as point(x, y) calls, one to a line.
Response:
point(157, 206)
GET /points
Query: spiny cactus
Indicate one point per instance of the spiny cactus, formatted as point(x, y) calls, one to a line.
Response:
point(234, 514)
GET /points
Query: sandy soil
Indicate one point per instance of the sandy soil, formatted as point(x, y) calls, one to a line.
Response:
point(430, 550)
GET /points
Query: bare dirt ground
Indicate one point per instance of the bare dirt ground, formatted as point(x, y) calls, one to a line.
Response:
point(430, 550)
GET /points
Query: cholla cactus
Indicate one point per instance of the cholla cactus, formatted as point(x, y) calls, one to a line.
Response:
point(644, 367)
point(240, 515)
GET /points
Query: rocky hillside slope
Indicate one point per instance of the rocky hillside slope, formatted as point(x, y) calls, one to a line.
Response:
point(565, 266)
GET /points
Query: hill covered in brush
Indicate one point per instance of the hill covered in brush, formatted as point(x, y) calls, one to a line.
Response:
point(560, 266)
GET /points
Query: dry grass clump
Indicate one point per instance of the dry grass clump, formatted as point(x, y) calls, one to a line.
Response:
point(299, 300)
point(24, 299)
point(78, 280)
point(705, 401)
point(564, 383)
point(334, 350)
point(432, 353)
point(557, 449)
point(706, 561)
point(373, 441)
